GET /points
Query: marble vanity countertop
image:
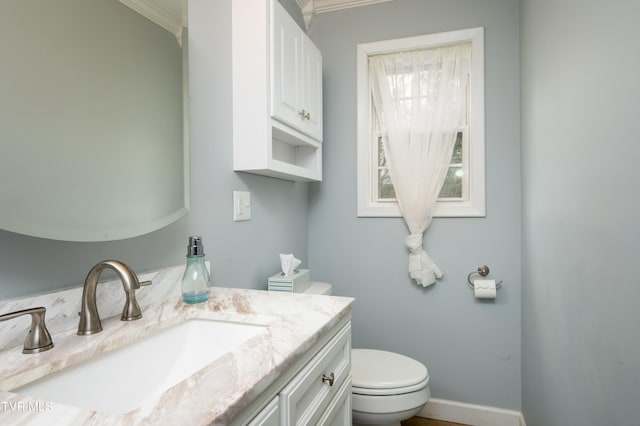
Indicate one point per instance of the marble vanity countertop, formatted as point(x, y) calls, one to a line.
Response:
point(215, 394)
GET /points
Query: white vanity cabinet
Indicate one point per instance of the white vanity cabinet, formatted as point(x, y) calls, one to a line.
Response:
point(277, 94)
point(317, 391)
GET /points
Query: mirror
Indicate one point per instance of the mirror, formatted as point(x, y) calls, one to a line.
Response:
point(93, 132)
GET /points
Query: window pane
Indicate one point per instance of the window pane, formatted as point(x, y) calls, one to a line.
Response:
point(452, 186)
point(386, 192)
point(456, 157)
point(382, 160)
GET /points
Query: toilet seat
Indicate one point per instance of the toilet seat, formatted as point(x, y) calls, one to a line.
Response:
point(389, 391)
point(376, 372)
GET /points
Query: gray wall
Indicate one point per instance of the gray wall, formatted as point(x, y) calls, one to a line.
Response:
point(243, 254)
point(580, 94)
point(472, 349)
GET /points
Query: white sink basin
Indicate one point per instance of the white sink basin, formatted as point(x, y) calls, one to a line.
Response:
point(121, 380)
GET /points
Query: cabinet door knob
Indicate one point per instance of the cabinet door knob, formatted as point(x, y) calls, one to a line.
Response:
point(305, 114)
point(328, 379)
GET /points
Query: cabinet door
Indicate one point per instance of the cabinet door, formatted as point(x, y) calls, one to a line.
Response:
point(338, 413)
point(286, 64)
point(269, 416)
point(312, 88)
point(304, 400)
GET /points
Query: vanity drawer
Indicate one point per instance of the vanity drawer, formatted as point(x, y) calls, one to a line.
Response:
point(304, 400)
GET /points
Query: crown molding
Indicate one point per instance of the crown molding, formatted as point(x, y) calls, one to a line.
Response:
point(310, 8)
point(156, 14)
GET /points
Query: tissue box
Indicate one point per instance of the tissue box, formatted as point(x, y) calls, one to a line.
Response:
point(295, 283)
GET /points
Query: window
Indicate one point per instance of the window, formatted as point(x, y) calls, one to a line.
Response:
point(462, 194)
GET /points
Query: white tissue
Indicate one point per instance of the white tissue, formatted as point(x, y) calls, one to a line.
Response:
point(484, 289)
point(289, 264)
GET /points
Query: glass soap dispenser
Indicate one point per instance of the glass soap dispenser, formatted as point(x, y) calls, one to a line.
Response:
point(196, 280)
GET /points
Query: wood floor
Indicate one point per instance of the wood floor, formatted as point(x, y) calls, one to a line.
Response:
point(421, 421)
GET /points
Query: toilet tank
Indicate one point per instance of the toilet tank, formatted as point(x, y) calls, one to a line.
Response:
point(318, 287)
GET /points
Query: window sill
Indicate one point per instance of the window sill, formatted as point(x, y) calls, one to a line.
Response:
point(443, 209)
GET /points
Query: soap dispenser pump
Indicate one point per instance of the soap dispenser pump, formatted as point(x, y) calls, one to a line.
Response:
point(196, 280)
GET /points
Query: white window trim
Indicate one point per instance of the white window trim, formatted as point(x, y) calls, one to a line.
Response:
point(475, 205)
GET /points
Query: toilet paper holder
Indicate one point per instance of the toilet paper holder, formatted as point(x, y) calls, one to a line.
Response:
point(482, 270)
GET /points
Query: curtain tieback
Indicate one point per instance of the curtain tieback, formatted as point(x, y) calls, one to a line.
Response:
point(422, 269)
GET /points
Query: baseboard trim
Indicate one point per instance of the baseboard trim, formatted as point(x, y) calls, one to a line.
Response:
point(471, 414)
point(522, 422)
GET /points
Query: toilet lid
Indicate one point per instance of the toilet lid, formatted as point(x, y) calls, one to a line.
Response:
point(378, 370)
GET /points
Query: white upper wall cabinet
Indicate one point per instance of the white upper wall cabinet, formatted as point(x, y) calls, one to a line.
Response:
point(277, 94)
point(312, 88)
point(296, 67)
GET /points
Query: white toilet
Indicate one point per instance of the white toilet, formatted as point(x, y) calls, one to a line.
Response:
point(386, 387)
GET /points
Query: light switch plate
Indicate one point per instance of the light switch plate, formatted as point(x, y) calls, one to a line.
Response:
point(241, 205)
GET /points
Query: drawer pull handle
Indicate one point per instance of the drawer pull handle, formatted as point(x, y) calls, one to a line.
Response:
point(328, 379)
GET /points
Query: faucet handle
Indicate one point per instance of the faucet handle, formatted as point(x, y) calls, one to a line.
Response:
point(131, 310)
point(38, 339)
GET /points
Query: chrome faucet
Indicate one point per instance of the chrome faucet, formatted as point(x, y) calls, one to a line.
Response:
point(38, 339)
point(89, 318)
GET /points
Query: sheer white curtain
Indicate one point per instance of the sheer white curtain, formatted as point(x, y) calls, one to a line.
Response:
point(419, 101)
